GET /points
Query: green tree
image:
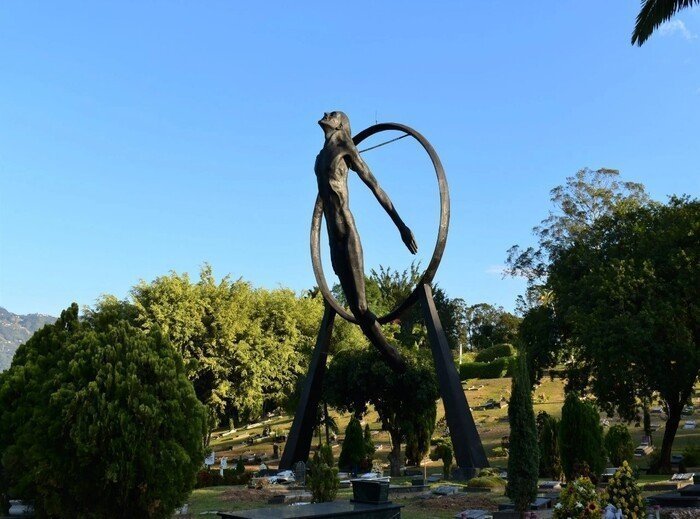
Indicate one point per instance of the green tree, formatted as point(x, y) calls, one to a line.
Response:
point(618, 445)
point(580, 438)
point(548, 444)
point(353, 451)
point(627, 295)
point(418, 440)
point(207, 323)
point(540, 338)
point(406, 403)
point(581, 201)
point(99, 420)
point(653, 13)
point(386, 288)
point(244, 349)
point(453, 317)
point(490, 325)
point(523, 455)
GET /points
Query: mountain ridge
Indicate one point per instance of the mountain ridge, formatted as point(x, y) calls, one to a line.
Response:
point(16, 329)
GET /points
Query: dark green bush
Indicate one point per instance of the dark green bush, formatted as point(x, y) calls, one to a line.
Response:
point(212, 478)
point(353, 451)
point(548, 443)
point(205, 478)
point(619, 445)
point(369, 450)
point(99, 420)
point(580, 439)
point(232, 477)
point(691, 455)
point(443, 451)
point(499, 452)
point(495, 352)
point(494, 369)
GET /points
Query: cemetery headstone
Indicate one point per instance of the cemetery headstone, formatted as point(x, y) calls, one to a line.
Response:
point(300, 472)
point(209, 460)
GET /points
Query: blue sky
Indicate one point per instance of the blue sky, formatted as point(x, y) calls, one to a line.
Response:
point(143, 137)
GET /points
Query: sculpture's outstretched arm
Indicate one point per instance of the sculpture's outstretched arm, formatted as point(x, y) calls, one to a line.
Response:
point(357, 164)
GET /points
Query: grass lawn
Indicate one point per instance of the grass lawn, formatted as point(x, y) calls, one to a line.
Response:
point(224, 498)
point(240, 498)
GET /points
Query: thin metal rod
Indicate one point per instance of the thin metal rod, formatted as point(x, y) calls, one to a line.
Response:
point(385, 143)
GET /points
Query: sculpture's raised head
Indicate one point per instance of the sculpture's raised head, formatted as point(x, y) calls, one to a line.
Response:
point(335, 121)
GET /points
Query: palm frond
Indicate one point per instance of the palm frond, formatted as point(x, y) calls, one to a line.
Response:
point(653, 13)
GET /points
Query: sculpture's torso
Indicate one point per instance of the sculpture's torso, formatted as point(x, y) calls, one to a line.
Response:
point(332, 176)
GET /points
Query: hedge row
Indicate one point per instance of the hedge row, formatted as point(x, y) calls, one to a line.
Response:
point(495, 352)
point(496, 369)
point(212, 478)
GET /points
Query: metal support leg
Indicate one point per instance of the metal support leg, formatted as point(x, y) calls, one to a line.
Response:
point(469, 452)
point(299, 440)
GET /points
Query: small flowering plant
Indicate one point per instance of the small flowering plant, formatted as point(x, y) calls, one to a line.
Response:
point(578, 500)
point(623, 493)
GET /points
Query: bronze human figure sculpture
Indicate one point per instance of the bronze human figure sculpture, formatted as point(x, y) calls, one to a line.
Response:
point(338, 156)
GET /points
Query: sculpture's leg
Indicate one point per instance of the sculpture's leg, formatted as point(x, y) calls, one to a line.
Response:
point(468, 450)
point(299, 439)
point(391, 356)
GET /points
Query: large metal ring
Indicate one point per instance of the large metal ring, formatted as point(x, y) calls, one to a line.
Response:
point(429, 273)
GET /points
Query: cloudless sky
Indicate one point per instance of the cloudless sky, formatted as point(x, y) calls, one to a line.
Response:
point(142, 137)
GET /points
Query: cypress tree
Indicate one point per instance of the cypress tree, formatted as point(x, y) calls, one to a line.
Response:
point(369, 446)
point(353, 450)
point(580, 439)
point(523, 458)
point(548, 442)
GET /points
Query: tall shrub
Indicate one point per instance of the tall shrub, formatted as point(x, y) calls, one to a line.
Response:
point(99, 420)
point(548, 443)
point(580, 438)
point(443, 451)
point(369, 447)
point(523, 458)
point(323, 477)
point(353, 451)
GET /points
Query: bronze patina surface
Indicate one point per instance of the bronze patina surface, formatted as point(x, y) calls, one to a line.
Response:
point(440, 242)
point(338, 156)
